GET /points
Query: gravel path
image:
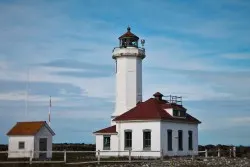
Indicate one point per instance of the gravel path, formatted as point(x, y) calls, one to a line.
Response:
point(211, 162)
point(174, 162)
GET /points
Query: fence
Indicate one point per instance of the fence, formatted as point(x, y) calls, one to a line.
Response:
point(81, 157)
point(230, 153)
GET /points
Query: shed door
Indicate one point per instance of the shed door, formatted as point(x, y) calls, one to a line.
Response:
point(42, 147)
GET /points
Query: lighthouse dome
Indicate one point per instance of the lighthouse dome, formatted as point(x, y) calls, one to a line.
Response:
point(128, 39)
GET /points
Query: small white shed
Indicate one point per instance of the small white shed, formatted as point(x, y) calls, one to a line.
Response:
point(25, 138)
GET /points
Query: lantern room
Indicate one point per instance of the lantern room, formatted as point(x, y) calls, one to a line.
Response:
point(128, 39)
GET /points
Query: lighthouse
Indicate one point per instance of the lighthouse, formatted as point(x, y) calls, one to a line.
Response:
point(139, 126)
point(128, 65)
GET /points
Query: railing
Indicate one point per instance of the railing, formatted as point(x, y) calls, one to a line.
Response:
point(84, 157)
point(230, 153)
point(142, 48)
point(141, 51)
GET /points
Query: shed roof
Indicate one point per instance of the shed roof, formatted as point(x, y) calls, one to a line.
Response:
point(28, 128)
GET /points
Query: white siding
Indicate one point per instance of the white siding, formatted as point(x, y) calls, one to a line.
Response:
point(175, 127)
point(113, 145)
point(170, 111)
point(137, 137)
point(128, 78)
point(44, 133)
point(13, 146)
point(120, 87)
point(31, 144)
point(139, 80)
point(158, 138)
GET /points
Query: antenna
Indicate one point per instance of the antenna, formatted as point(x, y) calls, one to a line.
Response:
point(27, 94)
point(49, 109)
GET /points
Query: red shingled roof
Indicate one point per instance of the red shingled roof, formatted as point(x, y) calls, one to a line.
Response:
point(27, 128)
point(153, 109)
point(108, 130)
point(157, 94)
point(128, 34)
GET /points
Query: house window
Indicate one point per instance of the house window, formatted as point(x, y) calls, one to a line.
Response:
point(180, 140)
point(146, 139)
point(128, 139)
point(170, 140)
point(106, 142)
point(21, 145)
point(190, 140)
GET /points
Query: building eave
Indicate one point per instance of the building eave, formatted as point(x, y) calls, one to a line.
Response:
point(134, 120)
point(105, 133)
point(50, 130)
point(21, 135)
point(159, 120)
point(108, 130)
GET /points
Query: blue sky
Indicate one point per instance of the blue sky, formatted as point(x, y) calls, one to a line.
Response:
point(198, 49)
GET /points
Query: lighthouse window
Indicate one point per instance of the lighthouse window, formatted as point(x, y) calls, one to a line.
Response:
point(124, 43)
point(134, 43)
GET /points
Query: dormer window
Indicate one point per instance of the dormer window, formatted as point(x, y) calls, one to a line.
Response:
point(178, 113)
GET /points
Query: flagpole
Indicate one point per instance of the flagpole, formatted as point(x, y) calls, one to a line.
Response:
point(27, 95)
point(49, 109)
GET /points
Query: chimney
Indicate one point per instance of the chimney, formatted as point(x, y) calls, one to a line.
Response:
point(158, 96)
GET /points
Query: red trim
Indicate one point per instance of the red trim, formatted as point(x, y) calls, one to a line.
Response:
point(108, 130)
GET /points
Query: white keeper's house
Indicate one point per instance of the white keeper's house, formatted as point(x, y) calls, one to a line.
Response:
point(159, 124)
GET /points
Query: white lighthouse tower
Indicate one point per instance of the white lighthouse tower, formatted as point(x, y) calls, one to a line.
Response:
point(128, 57)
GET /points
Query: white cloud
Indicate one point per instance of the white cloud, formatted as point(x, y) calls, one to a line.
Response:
point(37, 40)
point(167, 52)
point(239, 121)
point(23, 96)
point(162, 51)
point(94, 87)
point(237, 56)
point(84, 115)
point(189, 92)
point(3, 65)
point(212, 123)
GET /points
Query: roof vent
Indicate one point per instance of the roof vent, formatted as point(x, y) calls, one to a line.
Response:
point(158, 96)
